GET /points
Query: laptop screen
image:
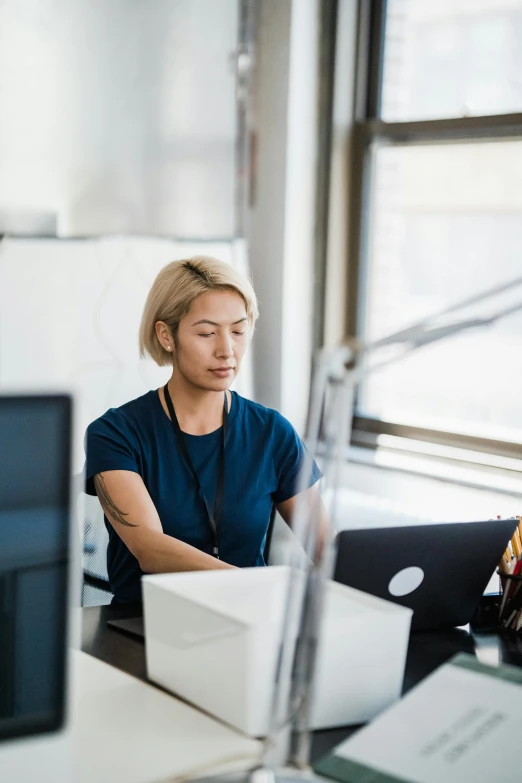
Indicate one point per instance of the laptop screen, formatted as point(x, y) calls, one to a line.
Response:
point(35, 446)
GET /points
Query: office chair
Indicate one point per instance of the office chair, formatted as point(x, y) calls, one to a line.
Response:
point(269, 534)
point(96, 590)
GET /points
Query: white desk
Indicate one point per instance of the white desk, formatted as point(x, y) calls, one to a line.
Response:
point(122, 729)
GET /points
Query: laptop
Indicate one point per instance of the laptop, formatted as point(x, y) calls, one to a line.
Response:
point(132, 626)
point(440, 571)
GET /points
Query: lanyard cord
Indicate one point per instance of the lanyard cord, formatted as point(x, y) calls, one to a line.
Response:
point(214, 514)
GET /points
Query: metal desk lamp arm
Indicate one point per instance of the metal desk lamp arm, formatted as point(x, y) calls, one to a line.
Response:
point(337, 374)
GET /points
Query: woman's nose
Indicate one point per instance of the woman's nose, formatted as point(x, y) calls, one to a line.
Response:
point(224, 347)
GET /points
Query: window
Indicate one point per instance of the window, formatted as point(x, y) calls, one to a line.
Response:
point(440, 214)
point(451, 58)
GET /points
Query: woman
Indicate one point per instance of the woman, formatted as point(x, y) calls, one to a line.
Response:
point(187, 474)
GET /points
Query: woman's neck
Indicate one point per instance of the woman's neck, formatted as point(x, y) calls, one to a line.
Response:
point(198, 411)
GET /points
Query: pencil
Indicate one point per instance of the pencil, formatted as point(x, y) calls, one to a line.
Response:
point(516, 543)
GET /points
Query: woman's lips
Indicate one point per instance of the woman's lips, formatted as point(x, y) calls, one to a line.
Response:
point(223, 372)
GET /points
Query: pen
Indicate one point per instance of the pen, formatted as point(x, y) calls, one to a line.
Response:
point(512, 595)
point(504, 599)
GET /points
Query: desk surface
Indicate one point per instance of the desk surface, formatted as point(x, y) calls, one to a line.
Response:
point(427, 651)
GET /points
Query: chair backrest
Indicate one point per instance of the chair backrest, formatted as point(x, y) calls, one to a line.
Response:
point(269, 532)
point(94, 536)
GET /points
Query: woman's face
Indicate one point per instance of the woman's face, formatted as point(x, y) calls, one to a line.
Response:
point(212, 339)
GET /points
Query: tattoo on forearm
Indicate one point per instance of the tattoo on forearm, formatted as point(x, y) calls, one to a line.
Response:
point(108, 504)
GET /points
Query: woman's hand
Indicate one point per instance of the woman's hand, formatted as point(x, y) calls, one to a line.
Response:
point(316, 509)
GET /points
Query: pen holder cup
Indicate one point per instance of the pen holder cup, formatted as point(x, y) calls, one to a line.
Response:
point(510, 612)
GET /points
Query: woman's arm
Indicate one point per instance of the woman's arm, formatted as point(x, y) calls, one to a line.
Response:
point(131, 512)
point(287, 510)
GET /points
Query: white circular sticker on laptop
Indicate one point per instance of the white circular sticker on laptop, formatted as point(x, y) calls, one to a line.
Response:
point(406, 581)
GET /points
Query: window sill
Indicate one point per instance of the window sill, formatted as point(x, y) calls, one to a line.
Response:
point(452, 468)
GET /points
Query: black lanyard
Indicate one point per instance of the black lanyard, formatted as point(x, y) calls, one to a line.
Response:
point(214, 514)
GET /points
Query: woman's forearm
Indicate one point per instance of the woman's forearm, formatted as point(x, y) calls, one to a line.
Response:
point(159, 554)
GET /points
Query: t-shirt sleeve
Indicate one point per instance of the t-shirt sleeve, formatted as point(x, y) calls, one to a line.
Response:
point(290, 456)
point(109, 445)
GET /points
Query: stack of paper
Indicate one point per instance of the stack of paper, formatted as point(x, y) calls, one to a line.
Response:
point(463, 723)
point(126, 730)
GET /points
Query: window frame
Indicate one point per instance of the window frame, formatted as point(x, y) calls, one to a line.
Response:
point(367, 129)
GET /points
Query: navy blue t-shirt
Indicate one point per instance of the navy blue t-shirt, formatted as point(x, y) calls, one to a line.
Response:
point(263, 457)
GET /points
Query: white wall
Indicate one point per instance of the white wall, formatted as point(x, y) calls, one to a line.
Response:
point(70, 313)
point(118, 117)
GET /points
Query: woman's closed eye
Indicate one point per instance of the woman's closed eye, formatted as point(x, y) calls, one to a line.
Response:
point(210, 334)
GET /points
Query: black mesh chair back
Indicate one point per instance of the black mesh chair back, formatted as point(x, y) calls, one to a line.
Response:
point(96, 588)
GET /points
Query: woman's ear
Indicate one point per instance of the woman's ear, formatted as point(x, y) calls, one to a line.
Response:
point(164, 336)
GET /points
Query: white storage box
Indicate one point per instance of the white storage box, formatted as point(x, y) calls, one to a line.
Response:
point(212, 637)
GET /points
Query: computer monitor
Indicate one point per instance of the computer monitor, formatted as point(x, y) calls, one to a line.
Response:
point(35, 477)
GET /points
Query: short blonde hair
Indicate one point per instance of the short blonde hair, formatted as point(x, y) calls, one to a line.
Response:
point(174, 290)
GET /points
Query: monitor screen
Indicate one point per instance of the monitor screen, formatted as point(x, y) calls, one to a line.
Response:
point(35, 453)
